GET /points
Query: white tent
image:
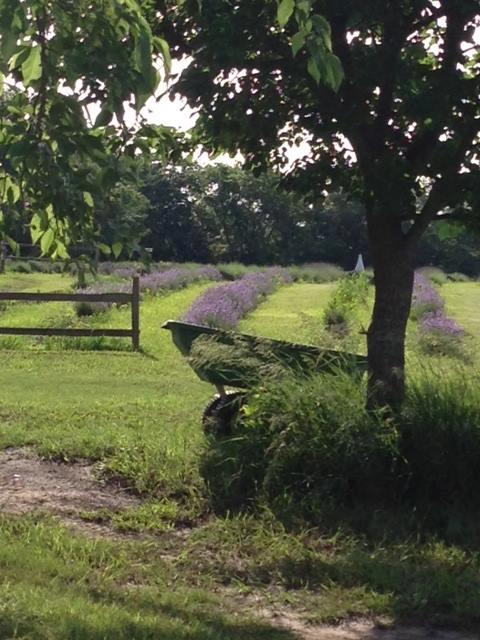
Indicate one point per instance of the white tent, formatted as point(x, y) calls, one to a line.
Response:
point(359, 267)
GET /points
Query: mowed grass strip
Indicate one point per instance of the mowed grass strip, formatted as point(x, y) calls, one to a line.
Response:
point(463, 303)
point(36, 282)
point(287, 313)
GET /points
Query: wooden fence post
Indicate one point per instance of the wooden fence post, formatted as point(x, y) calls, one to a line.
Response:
point(136, 313)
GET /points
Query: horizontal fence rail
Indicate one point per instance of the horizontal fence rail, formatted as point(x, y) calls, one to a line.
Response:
point(66, 297)
point(132, 298)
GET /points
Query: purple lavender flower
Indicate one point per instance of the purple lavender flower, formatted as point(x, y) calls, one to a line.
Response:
point(177, 278)
point(226, 305)
point(425, 298)
point(439, 323)
point(437, 333)
point(124, 272)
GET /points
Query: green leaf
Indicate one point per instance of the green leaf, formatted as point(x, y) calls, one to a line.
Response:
point(313, 70)
point(335, 73)
point(165, 50)
point(12, 244)
point(61, 251)
point(117, 249)
point(298, 40)
point(284, 11)
point(104, 248)
point(322, 28)
point(46, 240)
point(304, 7)
point(32, 67)
point(87, 198)
point(13, 193)
point(18, 58)
point(149, 85)
point(8, 44)
point(35, 227)
point(447, 231)
point(143, 48)
point(104, 117)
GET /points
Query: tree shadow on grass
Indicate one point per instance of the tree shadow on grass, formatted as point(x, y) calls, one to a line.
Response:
point(431, 583)
point(160, 623)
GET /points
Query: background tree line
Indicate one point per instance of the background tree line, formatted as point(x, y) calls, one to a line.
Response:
point(221, 214)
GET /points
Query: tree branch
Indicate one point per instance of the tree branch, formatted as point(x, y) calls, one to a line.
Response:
point(443, 188)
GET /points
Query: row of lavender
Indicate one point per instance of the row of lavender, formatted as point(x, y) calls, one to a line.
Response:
point(152, 283)
point(437, 333)
point(224, 306)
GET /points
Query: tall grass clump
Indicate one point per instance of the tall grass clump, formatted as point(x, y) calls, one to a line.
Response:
point(304, 444)
point(307, 448)
point(435, 274)
point(317, 272)
point(236, 270)
point(440, 439)
point(351, 292)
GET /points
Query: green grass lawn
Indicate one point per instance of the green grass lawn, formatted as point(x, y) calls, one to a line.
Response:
point(101, 404)
point(33, 282)
point(290, 313)
point(138, 414)
point(463, 304)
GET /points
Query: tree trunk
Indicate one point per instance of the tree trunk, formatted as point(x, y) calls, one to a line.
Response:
point(393, 262)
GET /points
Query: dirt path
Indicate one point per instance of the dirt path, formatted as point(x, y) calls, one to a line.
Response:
point(28, 484)
point(365, 630)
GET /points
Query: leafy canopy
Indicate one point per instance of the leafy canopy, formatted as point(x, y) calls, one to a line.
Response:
point(58, 59)
point(400, 129)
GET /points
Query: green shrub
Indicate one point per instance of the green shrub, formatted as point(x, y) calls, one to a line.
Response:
point(440, 439)
point(38, 266)
point(307, 448)
point(85, 309)
point(19, 266)
point(236, 270)
point(34, 266)
point(436, 275)
point(317, 272)
point(335, 317)
point(303, 442)
point(458, 277)
point(442, 343)
point(351, 292)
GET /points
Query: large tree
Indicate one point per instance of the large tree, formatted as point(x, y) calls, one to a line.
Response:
point(400, 129)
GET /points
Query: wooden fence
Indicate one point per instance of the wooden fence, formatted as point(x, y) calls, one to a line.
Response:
point(132, 298)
